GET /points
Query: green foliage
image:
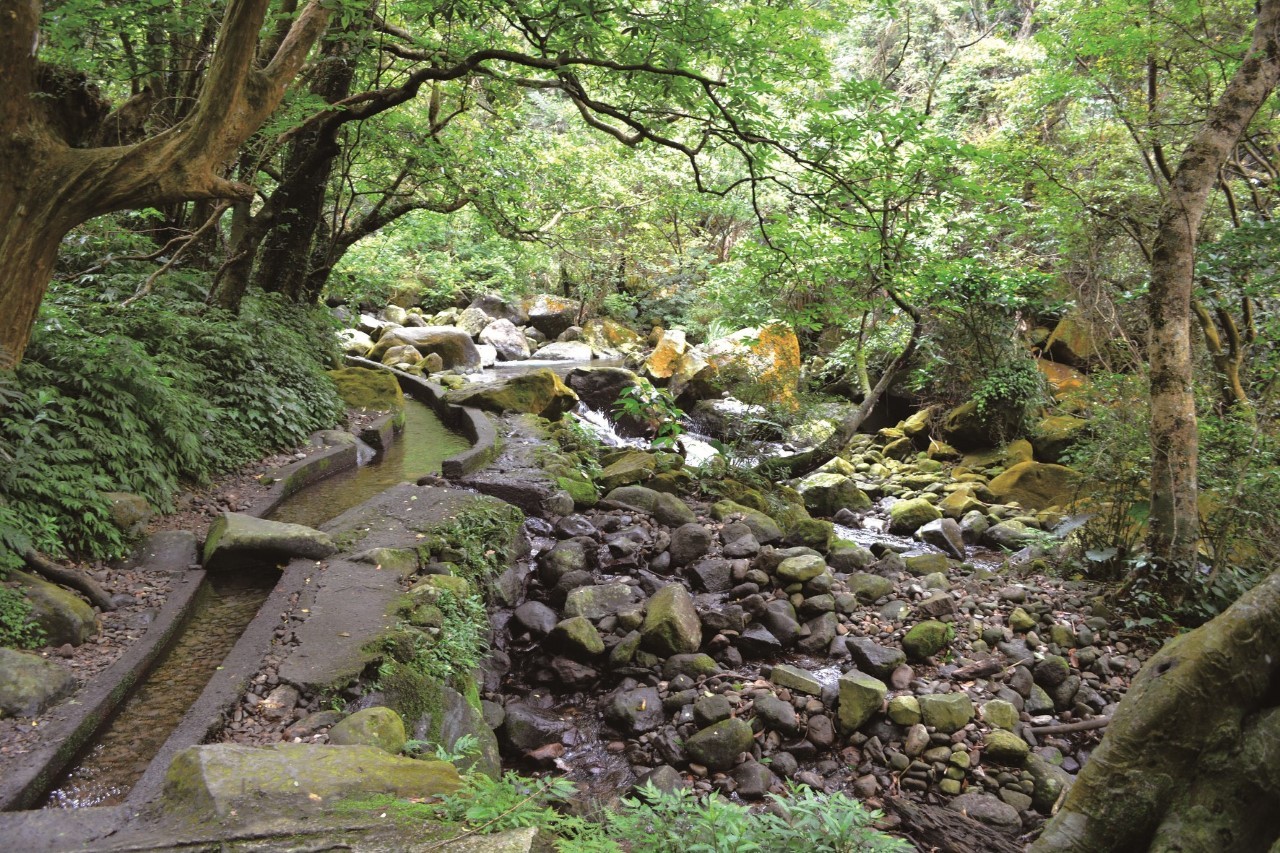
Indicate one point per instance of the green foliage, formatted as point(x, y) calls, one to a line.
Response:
point(480, 541)
point(18, 629)
point(141, 398)
point(1015, 385)
point(445, 654)
point(655, 408)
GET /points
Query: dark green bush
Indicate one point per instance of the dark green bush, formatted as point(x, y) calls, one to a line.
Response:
point(144, 397)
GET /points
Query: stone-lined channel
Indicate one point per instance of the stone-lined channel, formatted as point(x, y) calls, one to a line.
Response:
point(225, 605)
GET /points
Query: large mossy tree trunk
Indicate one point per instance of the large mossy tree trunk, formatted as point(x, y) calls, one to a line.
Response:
point(56, 173)
point(1174, 531)
point(1191, 759)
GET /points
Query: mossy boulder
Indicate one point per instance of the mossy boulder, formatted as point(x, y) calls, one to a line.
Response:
point(377, 726)
point(671, 625)
point(62, 615)
point(538, 392)
point(215, 781)
point(1036, 485)
point(765, 359)
point(1053, 435)
point(947, 712)
point(1073, 341)
point(910, 515)
point(826, 494)
point(815, 533)
point(454, 346)
point(29, 684)
point(551, 314)
point(926, 564)
point(718, 746)
point(629, 468)
point(861, 696)
point(801, 568)
point(926, 639)
point(967, 427)
point(663, 362)
point(577, 638)
point(1004, 747)
point(606, 334)
point(364, 388)
point(766, 530)
point(235, 536)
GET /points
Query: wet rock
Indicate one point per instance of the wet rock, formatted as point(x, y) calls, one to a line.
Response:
point(1050, 783)
point(1010, 535)
point(795, 678)
point(779, 617)
point(539, 392)
point(29, 684)
point(1052, 671)
point(758, 642)
point(739, 541)
point(693, 666)
point(849, 556)
point(379, 727)
point(717, 747)
point(574, 525)
point(861, 696)
point(630, 467)
point(664, 777)
point(764, 528)
point(820, 731)
point(905, 710)
point(671, 625)
point(926, 564)
point(506, 339)
point(635, 711)
point(1000, 714)
point(821, 633)
point(827, 493)
point(714, 575)
point(571, 555)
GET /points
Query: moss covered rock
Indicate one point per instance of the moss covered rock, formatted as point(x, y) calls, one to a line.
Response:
point(216, 780)
point(828, 493)
point(926, 639)
point(538, 392)
point(671, 625)
point(1053, 435)
point(910, 515)
point(718, 746)
point(764, 528)
point(629, 468)
point(29, 684)
point(947, 712)
point(364, 388)
point(861, 696)
point(1035, 485)
point(377, 726)
point(454, 346)
point(235, 536)
point(62, 615)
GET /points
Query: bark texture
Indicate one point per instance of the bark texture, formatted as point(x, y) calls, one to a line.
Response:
point(1189, 761)
point(1174, 521)
point(57, 170)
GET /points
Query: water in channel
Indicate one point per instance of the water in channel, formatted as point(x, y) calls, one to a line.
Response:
point(224, 607)
point(123, 750)
point(424, 444)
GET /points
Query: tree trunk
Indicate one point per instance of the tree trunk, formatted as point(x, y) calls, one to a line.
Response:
point(1174, 530)
point(803, 463)
point(1189, 759)
point(48, 185)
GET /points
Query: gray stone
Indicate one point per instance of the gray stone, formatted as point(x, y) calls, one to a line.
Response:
point(717, 747)
point(868, 587)
point(688, 543)
point(509, 342)
point(753, 780)
point(29, 684)
point(526, 728)
point(800, 569)
point(671, 625)
point(944, 534)
point(1005, 747)
point(795, 678)
point(1001, 714)
point(985, 808)
point(536, 618)
point(62, 615)
point(635, 711)
point(576, 637)
point(861, 696)
point(714, 575)
point(236, 536)
point(875, 658)
point(777, 714)
point(597, 602)
point(711, 708)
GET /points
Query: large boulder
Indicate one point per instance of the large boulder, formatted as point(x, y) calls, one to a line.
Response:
point(600, 387)
point(665, 358)
point(671, 625)
point(910, 515)
point(766, 359)
point(629, 468)
point(217, 780)
point(565, 351)
point(354, 342)
point(1053, 435)
point(551, 315)
point(473, 321)
point(377, 726)
point(63, 616)
point(236, 536)
point(29, 684)
point(538, 392)
point(861, 696)
point(364, 388)
point(725, 418)
point(501, 308)
point(826, 494)
point(966, 427)
point(1036, 485)
point(1073, 341)
point(1065, 383)
point(453, 345)
point(509, 342)
point(607, 334)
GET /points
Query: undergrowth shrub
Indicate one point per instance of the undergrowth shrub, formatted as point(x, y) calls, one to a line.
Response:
point(141, 398)
point(801, 820)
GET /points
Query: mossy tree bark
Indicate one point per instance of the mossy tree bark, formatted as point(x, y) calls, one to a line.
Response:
point(1189, 761)
point(1174, 530)
point(54, 174)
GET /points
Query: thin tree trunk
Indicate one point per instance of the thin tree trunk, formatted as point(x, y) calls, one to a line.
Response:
point(1174, 531)
point(803, 463)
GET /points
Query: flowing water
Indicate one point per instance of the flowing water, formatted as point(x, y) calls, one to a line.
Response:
point(425, 443)
point(224, 608)
point(120, 756)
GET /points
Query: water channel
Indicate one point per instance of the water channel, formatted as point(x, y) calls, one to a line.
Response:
point(226, 604)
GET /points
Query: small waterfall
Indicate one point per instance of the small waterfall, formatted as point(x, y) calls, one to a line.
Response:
point(364, 453)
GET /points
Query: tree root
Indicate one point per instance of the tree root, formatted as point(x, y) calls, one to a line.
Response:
point(69, 577)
